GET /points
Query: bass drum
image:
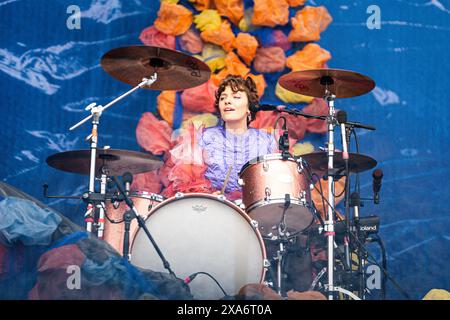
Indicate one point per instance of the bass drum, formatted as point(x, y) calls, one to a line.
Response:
point(203, 233)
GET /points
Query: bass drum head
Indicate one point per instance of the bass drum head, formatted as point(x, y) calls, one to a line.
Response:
point(202, 233)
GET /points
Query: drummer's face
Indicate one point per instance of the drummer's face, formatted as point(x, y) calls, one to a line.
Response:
point(233, 105)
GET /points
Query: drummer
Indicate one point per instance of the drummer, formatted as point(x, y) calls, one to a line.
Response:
point(231, 143)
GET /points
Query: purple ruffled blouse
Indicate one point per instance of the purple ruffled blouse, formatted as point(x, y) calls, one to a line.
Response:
point(225, 149)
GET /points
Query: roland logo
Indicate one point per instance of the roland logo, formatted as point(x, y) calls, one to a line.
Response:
point(368, 228)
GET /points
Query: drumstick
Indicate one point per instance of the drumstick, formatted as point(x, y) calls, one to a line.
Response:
point(226, 180)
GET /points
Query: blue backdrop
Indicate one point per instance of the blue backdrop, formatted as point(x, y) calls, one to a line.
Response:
point(48, 74)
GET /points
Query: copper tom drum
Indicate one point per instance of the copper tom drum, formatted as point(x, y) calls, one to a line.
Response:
point(265, 182)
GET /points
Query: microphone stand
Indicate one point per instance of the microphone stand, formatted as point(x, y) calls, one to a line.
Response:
point(96, 112)
point(128, 216)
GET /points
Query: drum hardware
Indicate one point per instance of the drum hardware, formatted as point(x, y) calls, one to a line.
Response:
point(328, 84)
point(141, 67)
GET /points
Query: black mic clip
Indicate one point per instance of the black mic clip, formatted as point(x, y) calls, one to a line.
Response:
point(284, 145)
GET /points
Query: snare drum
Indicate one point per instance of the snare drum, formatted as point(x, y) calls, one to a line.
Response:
point(265, 182)
point(203, 233)
point(114, 232)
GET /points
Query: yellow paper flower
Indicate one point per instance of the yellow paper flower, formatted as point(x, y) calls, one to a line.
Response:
point(208, 20)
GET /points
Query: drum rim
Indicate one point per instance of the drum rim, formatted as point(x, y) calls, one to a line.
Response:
point(268, 157)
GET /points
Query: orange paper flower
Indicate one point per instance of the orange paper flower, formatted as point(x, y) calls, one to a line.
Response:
point(270, 13)
point(311, 57)
point(309, 23)
point(246, 46)
point(173, 19)
point(223, 36)
point(232, 9)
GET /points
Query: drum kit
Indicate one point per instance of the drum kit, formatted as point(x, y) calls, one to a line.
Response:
point(219, 242)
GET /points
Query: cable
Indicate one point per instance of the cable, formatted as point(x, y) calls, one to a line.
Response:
point(189, 279)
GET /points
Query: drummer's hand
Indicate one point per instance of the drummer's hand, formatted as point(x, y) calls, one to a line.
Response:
point(216, 193)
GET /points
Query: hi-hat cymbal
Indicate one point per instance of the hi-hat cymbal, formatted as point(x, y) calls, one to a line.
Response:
point(175, 70)
point(318, 162)
point(115, 162)
point(313, 83)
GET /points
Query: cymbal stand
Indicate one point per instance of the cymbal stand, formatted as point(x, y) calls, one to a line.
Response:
point(101, 207)
point(96, 112)
point(329, 223)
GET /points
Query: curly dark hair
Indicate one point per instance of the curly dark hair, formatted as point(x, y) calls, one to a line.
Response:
point(238, 83)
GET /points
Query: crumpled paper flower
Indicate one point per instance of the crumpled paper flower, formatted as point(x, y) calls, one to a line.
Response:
point(308, 23)
point(246, 46)
point(191, 42)
point(173, 19)
point(153, 135)
point(208, 20)
point(153, 37)
point(270, 13)
point(200, 98)
point(312, 56)
point(213, 56)
point(232, 9)
point(223, 36)
point(271, 59)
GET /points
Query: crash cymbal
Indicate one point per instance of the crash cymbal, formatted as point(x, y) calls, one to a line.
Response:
point(175, 70)
point(313, 83)
point(318, 162)
point(116, 162)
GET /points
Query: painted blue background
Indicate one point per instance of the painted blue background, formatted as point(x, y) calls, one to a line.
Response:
point(48, 74)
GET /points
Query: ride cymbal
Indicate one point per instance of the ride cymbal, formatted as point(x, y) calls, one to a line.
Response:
point(314, 83)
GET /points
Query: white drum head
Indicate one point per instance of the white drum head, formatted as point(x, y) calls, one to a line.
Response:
point(202, 233)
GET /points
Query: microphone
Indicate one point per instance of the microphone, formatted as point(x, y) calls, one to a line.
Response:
point(376, 185)
point(127, 177)
point(342, 119)
point(355, 202)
